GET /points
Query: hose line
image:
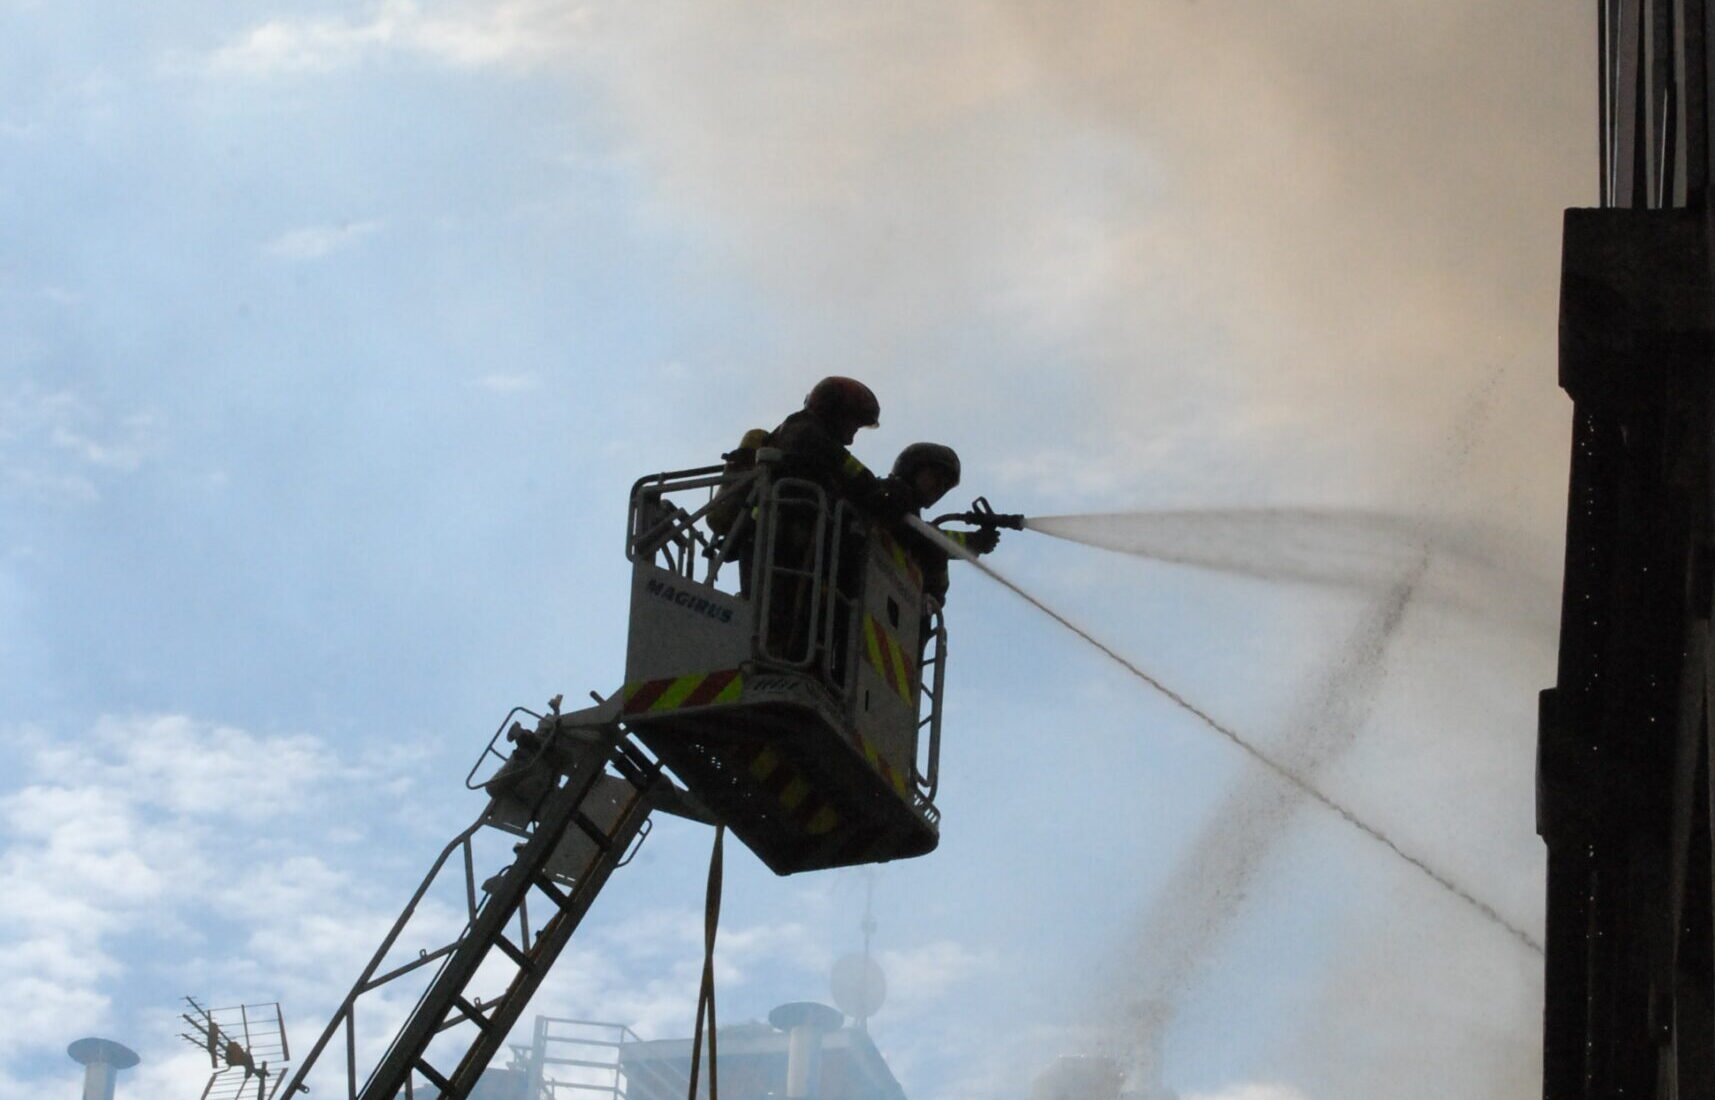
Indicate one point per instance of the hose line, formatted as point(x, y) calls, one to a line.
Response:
point(1303, 784)
point(706, 993)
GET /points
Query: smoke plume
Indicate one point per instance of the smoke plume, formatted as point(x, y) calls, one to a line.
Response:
point(1270, 252)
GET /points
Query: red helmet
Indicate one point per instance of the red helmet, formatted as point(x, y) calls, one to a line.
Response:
point(844, 399)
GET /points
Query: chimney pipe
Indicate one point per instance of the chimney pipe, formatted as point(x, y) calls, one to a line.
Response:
point(804, 1023)
point(102, 1059)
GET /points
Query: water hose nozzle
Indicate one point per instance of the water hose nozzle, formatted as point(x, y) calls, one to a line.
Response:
point(982, 514)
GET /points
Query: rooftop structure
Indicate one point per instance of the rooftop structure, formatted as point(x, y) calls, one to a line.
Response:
point(101, 1059)
point(755, 1064)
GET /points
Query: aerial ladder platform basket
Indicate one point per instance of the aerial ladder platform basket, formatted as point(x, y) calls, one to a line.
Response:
point(799, 701)
point(783, 679)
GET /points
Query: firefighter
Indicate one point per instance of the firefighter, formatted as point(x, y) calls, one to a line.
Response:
point(811, 445)
point(923, 474)
point(813, 442)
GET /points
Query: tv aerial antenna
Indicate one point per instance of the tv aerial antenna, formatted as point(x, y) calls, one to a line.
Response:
point(858, 984)
point(246, 1047)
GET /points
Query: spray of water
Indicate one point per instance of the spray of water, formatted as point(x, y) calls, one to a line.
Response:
point(1367, 551)
point(1291, 775)
point(1341, 548)
point(1204, 894)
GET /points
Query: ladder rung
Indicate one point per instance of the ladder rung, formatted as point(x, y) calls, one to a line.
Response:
point(546, 885)
point(474, 1014)
point(514, 953)
point(432, 1074)
point(599, 837)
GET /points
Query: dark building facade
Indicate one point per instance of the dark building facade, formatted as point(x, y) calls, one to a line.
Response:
point(1623, 790)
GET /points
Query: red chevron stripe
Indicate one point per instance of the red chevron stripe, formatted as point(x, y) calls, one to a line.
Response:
point(883, 651)
point(890, 669)
point(705, 692)
point(646, 695)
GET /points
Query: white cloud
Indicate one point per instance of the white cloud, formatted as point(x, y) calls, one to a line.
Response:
point(1249, 1092)
point(148, 827)
point(312, 242)
point(920, 976)
point(62, 446)
point(514, 33)
point(506, 383)
point(184, 1071)
point(193, 768)
point(60, 486)
point(162, 843)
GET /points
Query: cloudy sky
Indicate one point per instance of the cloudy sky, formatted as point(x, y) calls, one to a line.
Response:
point(332, 336)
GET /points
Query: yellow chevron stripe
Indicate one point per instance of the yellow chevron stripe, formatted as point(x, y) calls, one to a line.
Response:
point(899, 667)
point(888, 657)
point(795, 798)
point(675, 695)
point(764, 764)
point(872, 643)
point(898, 558)
point(891, 775)
point(794, 793)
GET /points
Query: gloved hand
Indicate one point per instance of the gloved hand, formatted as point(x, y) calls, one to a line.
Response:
point(982, 540)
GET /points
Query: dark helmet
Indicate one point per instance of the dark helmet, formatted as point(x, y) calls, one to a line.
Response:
point(919, 455)
point(844, 399)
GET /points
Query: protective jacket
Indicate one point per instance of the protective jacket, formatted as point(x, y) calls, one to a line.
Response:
point(729, 501)
point(810, 450)
point(933, 560)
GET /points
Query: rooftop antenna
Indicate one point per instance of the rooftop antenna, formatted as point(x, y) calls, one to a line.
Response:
point(101, 1059)
point(858, 984)
point(868, 923)
point(240, 1042)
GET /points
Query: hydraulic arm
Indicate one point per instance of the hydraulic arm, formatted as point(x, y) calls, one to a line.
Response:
point(802, 711)
point(573, 797)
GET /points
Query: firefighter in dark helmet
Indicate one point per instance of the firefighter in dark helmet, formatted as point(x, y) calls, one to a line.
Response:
point(811, 445)
point(923, 474)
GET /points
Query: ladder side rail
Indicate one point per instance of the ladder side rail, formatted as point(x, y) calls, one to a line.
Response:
point(654, 521)
point(927, 780)
point(555, 816)
point(506, 724)
point(798, 495)
point(367, 980)
point(550, 941)
point(846, 523)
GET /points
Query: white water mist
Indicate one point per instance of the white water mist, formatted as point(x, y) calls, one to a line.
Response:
point(1359, 550)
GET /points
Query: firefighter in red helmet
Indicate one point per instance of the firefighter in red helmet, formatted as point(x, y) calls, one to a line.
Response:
point(845, 404)
point(813, 442)
point(810, 445)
